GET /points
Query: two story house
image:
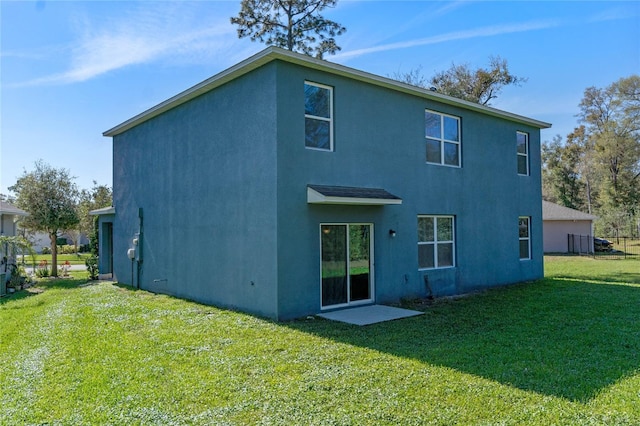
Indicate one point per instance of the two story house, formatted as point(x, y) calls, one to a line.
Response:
point(287, 186)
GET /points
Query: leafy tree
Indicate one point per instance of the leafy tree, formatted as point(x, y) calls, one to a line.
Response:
point(414, 77)
point(49, 195)
point(479, 85)
point(560, 168)
point(612, 120)
point(295, 25)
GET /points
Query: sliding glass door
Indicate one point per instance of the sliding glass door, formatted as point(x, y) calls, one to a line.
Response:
point(346, 264)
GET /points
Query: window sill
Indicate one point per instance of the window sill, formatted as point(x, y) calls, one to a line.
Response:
point(436, 269)
point(443, 165)
point(318, 149)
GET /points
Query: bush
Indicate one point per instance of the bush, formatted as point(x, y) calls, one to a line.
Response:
point(92, 267)
point(42, 270)
point(46, 250)
point(67, 249)
point(15, 281)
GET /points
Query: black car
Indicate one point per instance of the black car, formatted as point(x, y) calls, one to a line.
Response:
point(600, 244)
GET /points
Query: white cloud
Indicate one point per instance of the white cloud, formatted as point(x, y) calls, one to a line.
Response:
point(614, 14)
point(147, 34)
point(456, 35)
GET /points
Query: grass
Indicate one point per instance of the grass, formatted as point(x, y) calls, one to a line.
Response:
point(563, 350)
point(74, 259)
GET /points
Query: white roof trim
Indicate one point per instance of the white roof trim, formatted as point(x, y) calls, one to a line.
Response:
point(315, 197)
point(103, 211)
point(275, 53)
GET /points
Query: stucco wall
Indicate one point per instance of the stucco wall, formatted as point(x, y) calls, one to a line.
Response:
point(222, 184)
point(204, 174)
point(379, 142)
point(556, 231)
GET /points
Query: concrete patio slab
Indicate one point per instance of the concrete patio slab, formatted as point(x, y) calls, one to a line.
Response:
point(366, 315)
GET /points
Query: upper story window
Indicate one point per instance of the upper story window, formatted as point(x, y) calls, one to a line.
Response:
point(318, 116)
point(436, 242)
point(523, 153)
point(443, 138)
point(524, 233)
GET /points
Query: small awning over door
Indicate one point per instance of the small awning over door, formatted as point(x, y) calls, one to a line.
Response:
point(323, 194)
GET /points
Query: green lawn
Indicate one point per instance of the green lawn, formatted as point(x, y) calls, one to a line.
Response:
point(74, 259)
point(563, 350)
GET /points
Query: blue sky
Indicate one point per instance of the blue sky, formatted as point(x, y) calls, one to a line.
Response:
point(70, 70)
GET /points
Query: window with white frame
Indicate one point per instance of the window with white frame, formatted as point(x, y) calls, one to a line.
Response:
point(524, 226)
point(442, 133)
point(436, 242)
point(318, 116)
point(522, 140)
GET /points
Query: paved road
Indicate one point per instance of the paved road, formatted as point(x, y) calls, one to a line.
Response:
point(29, 269)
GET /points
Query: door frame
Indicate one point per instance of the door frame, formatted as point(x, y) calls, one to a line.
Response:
point(371, 267)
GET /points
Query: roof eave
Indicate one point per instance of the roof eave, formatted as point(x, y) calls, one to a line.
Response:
point(103, 211)
point(275, 53)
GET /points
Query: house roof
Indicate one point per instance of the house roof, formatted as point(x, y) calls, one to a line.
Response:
point(551, 211)
point(8, 208)
point(102, 211)
point(275, 53)
point(323, 194)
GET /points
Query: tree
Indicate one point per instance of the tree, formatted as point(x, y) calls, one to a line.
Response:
point(480, 85)
point(560, 168)
point(612, 120)
point(295, 25)
point(7, 198)
point(49, 195)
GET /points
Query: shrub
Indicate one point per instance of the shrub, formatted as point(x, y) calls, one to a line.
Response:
point(92, 267)
point(46, 250)
point(42, 271)
point(67, 249)
point(15, 281)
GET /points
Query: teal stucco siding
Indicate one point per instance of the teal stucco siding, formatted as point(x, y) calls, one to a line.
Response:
point(220, 181)
point(380, 143)
point(203, 174)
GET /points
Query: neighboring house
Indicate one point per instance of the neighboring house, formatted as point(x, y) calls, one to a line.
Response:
point(40, 240)
point(560, 223)
point(9, 217)
point(287, 185)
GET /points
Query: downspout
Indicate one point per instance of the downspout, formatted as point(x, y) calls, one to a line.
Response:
point(139, 248)
point(5, 249)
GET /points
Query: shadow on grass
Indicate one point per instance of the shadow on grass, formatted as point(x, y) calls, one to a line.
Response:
point(618, 277)
point(18, 295)
point(43, 285)
point(559, 337)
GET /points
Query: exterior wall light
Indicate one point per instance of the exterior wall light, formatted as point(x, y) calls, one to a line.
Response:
point(392, 233)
